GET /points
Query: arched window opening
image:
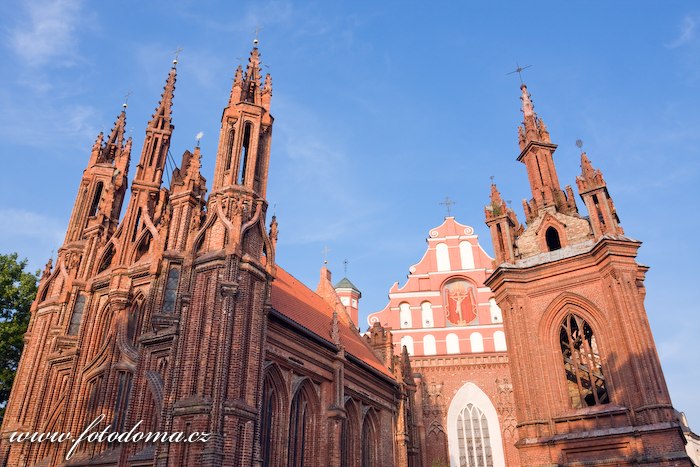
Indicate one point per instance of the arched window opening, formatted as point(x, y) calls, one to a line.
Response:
point(585, 382)
point(426, 310)
point(133, 324)
point(153, 151)
point(349, 432)
point(122, 401)
point(243, 163)
point(495, 310)
point(405, 315)
point(477, 342)
point(106, 259)
point(96, 199)
point(258, 173)
point(442, 254)
point(552, 237)
point(452, 342)
point(229, 148)
point(301, 424)
point(474, 438)
point(270, 420)
point(170, 294)
point(369, 442)
point(407, 341)
point(137, 225)
point(144, 246)
point(499, 237)
point(499, 341)
point(94, 392)
point(466, 255)
point(77, 316)
point(429, 346)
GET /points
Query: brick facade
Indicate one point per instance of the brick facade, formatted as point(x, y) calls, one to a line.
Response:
point(177, 317)
point(588, 385)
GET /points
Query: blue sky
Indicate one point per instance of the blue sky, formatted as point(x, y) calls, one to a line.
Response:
point(382, 109)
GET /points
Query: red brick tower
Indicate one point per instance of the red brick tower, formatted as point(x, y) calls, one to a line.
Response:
point(217, 383)
point(587, 380)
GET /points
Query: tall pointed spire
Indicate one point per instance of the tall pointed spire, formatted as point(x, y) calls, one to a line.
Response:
point(158, 132)
point(536, 152)
point(161, 117)
point(252, 80)
point(600, 206)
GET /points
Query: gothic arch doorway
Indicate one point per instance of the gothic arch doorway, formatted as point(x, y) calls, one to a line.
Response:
point(473, 430)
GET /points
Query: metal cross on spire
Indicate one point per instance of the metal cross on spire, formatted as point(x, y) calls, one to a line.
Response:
point(177, 54)
point(257, 31)
point(448, 204)
point(126, 99)
point(325, 254)
point(519, 70)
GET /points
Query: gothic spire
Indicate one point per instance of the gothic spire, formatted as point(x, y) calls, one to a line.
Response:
point(161, 117)
point(530, 127)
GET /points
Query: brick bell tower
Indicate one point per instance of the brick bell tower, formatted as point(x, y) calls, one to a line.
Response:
point(588, 385)
point(217, 381)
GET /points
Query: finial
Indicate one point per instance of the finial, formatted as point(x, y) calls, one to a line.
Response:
point(519, 69)
point(199, 137)
point(177, 54)
point(325, 254)
point(257, 31)
point(579, 144)
point(492, 177)
point(126, 99)
point(448, 204)
point(345, 266)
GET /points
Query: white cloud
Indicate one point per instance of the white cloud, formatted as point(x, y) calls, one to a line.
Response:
point(49, 33)
point(687, 33)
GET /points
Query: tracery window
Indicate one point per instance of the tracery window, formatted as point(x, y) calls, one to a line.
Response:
point(77, 316)
point(170, 294)
point(473, 437)
point(269, 432)
point(369, 442)
point(582, 363)
point(301, 427)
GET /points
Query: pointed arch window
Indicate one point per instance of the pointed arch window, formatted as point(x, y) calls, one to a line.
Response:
point(301, 429)
point(170, 294)
point(77, 316)
point(229, 148)
point(369, 442)
point(243, 163)
point(349, 432)
point(473, 437)
point(552, 237)
point(270, 420)
point(96, 199)
point(122, 401)
point(583, 367)
point(137, 225)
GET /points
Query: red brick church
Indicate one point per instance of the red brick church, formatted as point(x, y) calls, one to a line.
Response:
point(175, 318)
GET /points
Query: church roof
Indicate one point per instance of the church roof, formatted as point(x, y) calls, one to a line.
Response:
point(345, 283)
point(303, 306)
